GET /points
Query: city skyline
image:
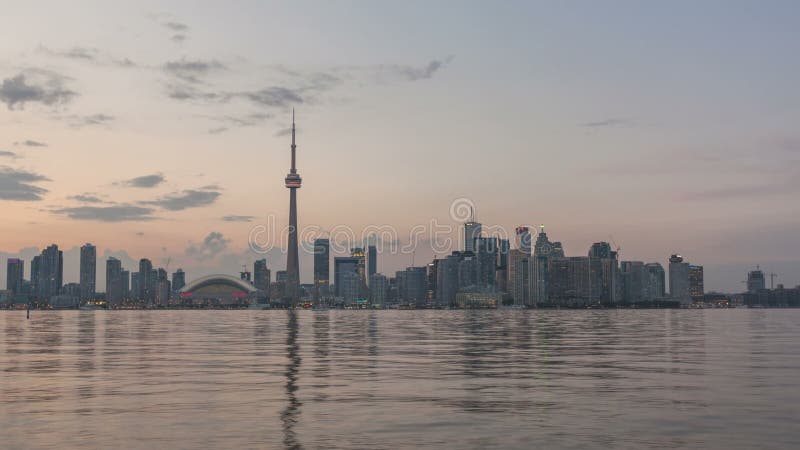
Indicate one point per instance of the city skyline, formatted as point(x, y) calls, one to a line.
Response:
point(151, 133)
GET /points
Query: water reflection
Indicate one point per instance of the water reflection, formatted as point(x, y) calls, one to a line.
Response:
point(290, 415)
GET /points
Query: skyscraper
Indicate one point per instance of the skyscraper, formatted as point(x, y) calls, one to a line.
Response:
point(447, 279)
point(361, 270)
point(472, 231)
point(679, 280)
point(15, 268)
point(696, 288)
point(261, 275)
point(656, 284)
point(88, 271)
point(178, 280)
point(378, 289)
point(322, 271)
point(519, 276)
point(114, 282)
point(146, 281)
point(756, 280)
point(50, 272)
point(372, 261)
point(345, 277)
point(293, 182)
point(486, 252)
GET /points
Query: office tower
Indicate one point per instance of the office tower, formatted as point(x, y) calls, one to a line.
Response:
point(152, 285)
point(163, 287)
point(569, 282)
point(136, 290)
point(293, 182)
point(604, 272)
point(146, 281)
point(635, 277)
point(126, 284)
point(524, 240)
point(114, 283)
point(51, 272)
point(15, 269)
point(519, 277)
point(472, 231)
point(322, 271)
point(378, 289)
point(656, 281)
point(245, 275)
point(756, 280)
point(556, 250)
point(88, 271)
point(71, 290)
point(345, 277)
point(178, 280)
point(486, 252)
point(36, 271)
point(261, 275)
point(696, 288)
point(433, 268)
point(468, 271)
point(501, 271)
point(679, 280)
point(416, 286)
point(447, 279)
point(539, 267)
point(372, 260)
point(358, 252)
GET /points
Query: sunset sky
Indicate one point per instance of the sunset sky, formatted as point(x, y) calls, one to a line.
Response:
point(158, 129)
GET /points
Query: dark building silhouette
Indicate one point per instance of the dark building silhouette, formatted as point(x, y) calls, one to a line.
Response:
point(15, 269)
point(88, 271)
point(322, 271)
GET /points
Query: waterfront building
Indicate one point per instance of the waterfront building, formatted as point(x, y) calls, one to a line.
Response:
point(88, 272)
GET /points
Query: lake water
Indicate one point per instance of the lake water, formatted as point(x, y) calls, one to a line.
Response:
point(400, 379)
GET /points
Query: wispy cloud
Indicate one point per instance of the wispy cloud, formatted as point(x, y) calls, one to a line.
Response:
point(144, 181)
point(611, 122)
point(189, 198)
point(20, 185)
point(86, 197)
point(35, 86)
point(238, 218)
point(5, 154)
point(112, 213)
point(30, 143)
point(192, 71)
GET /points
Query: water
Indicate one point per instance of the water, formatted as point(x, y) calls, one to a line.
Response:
point(400, 379)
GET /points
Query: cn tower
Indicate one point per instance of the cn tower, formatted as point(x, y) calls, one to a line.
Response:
point(293, 182)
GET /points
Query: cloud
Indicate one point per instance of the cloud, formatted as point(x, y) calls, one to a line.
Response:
point(82, 53)
point(274, 96)
point(412, 73)
point(176, 26)
point(611, 122)
point(213, 244)
point(145, 181)
point(740, 192)
point(94, 119)
point(35, 86)
point(5, 154)
point(238, 218)
point(189, 198)
point(113, 213)
point(86, 198)
point(192, 71)
point(217, 130)
point(19, 185)
point(30, 143)
point(178, 38)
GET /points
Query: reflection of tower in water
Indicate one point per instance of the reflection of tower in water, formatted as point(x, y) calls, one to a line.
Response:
point(290, 414)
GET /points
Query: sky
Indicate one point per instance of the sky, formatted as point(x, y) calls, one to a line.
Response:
point(159, 129)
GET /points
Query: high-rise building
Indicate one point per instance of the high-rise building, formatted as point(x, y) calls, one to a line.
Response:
point(358, 252)
point(656, 281)
point(346, 279)
point(415, 288)
point(147, 281)
point(50, 272)
point(472, 231)
point(322, 270)
point(114, 283)
point(163, 289)
point(604, 272)
point(679, 280)
point(36, 272)
point(570, 281)
point(178, 280)
point(756, 280)
point(519, 277)
point(378, 289)
point(15, 269)
point(696, 288)
point(372, 260)
point(486, 250)
point(293, 182)
point(447, 279)
point(88, 271)
point(433, 268)
point(135, 291)
point(524, 240)
point(261, 275)
point(126, 284)
point(635, 279)
point(501, 271)
point(540, 267)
